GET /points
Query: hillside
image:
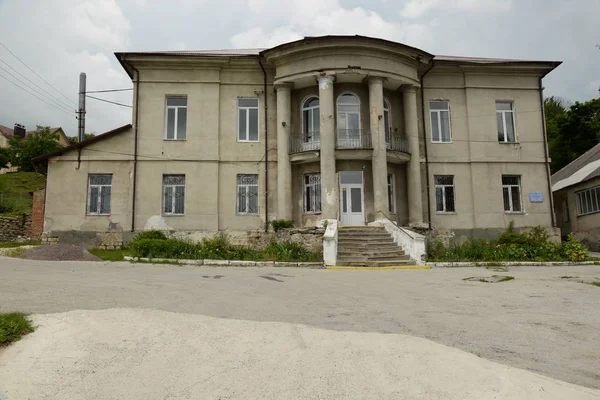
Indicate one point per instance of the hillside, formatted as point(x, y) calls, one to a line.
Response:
point(14, 191)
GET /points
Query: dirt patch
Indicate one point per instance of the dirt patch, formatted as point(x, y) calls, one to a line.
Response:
point(490, 279)
point(60, 252)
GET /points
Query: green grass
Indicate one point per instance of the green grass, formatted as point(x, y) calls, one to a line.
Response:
point(110, 255)
point(12, 327)
point(593, 283)
point(10, 245)
point(15, 188)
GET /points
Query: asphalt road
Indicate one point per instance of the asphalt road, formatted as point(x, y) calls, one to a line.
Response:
point(539, 321)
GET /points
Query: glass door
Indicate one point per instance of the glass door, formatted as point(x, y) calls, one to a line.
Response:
point(351, 198)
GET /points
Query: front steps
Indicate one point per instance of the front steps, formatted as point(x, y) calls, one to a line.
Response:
point(361, 246)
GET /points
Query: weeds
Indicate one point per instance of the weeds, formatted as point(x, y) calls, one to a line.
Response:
point(279, 224)
point(12, 327)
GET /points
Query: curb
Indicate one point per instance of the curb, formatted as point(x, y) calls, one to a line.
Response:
point(391, 267)
point(227, 263)
point(512, 264)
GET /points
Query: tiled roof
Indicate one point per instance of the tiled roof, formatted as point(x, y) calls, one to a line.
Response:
point(583, 168)
point(6, 131)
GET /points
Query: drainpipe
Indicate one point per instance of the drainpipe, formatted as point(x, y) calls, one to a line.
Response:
point(427, 180)
point(135, 145)
point(545, 137)
point(266, 146)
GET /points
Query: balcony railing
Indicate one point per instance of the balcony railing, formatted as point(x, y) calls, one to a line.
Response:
point(309, 141)
point(353, 139)
point(397, 143)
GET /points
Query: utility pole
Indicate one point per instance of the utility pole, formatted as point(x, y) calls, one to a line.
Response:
point(81, 111)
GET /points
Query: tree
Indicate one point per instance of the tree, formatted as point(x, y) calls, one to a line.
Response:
point(86, 136)
point(35, 144)
point(4, 157)
point(573, 132)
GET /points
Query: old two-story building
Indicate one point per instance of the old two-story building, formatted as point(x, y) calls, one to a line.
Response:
point(346, 128)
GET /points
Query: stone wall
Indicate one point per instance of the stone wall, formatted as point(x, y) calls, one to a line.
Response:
point(15, 228)
point(311, 238)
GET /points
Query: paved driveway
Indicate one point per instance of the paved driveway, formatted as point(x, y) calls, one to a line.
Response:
point(539, 321)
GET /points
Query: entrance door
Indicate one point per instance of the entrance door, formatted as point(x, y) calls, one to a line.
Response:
point(351, 198)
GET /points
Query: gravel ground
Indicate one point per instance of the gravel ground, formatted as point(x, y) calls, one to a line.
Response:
point(540, 321)
point(60, 252)
point(148, 354)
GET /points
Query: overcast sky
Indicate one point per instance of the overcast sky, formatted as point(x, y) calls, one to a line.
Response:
point(58, 39)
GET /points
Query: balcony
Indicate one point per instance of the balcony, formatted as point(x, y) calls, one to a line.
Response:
point(309, 141)
point(396, 143)
point(353, 139)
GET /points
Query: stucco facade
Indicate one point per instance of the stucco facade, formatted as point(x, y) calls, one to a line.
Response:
point(370, 116)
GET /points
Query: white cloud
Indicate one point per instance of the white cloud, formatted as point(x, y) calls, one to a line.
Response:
point(419, 8)
point(257, 37)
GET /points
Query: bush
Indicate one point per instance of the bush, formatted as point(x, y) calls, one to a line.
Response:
point(12, 327)
point(435, 249)
point(573, 249)
point(289, 251)
point(279, 224)
point(153, 234)
point(169, 248)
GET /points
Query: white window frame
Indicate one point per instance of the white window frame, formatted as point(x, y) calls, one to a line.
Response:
point(510, 188)
point(438, 121)
point(238, 185)
point(514, 120)
point(585, 201)
point(176, 108)
point(172, 188)
point(443, 188)
point(316, 208)
point(387, 109)
point(305, 125)
point(247, 109)
point(391, 187)
point(100, 190)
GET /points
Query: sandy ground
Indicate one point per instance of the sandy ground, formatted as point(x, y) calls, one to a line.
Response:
point(148, 354)
point(538, 321)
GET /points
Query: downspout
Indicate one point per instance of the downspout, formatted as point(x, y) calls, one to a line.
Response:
point(427, 180)
point(135, 145)
point(266, 146)
point(545, 134)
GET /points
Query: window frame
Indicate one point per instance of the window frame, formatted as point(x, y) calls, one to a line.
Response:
point(304, 127)
point(391, 193)
point(514, 121)
point(337, 111)
point(387, 108)
point(247, 109)
point(510, 201)
point(237, 195)
point(314, 186)
point(439, 121)
point(173, 187)
point(588, 205)
point(176, 108)
point(443, 188)
point(99, 186)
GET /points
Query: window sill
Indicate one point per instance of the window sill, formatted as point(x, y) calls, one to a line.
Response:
point(248, 141)
point(173, 215)
point(450, 142)
point(446, 212)
point(98, 215)
point(509, 143)
point(174, 140)
point(586, 214)
point(312, 212)
point(247, 215)
point(514, 212)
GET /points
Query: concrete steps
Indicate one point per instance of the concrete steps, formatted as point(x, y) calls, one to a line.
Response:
point(369, 247)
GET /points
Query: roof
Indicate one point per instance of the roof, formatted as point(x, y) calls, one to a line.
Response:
point(583, 168)
point(214, 53)
point(76, 146)
point(484, 60)
point(6, 131)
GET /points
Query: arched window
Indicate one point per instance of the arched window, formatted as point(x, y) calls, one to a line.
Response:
point(386, 122)
point(348, 120)
point(311, 120)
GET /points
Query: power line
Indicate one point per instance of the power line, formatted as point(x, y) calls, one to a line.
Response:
point(36, 74)
point(34, 95)
point(41, 88)
point(37, 91)
point(108, 101)
point(110, 90)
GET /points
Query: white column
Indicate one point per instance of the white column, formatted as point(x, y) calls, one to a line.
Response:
point(380, 198)
point(329, 185)
point(415, 200)
point(284, 168)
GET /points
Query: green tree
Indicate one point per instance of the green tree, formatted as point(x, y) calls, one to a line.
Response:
point(4, 157)
point(35, 144)
point(572, 133)
point(86, 136)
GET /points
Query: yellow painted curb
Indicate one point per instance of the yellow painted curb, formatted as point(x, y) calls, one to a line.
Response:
point(380, 268)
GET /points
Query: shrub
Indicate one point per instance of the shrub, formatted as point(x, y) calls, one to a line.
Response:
point(573, 249)
point(169, 248)
point(153, 234)
point(12, 327)
point(279, 224)
point(435, 249)
point(289, 251)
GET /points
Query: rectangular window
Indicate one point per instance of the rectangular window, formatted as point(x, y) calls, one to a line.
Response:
point(588, 201)
point(505, 117)
point(247, 194)
point(99, 194)
point(312, 193)
point(248, 120)
point(511, 192)
point(176, 118)
point(391, 197)
point(444, 193)
point(173, 194)
point(439, 111)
